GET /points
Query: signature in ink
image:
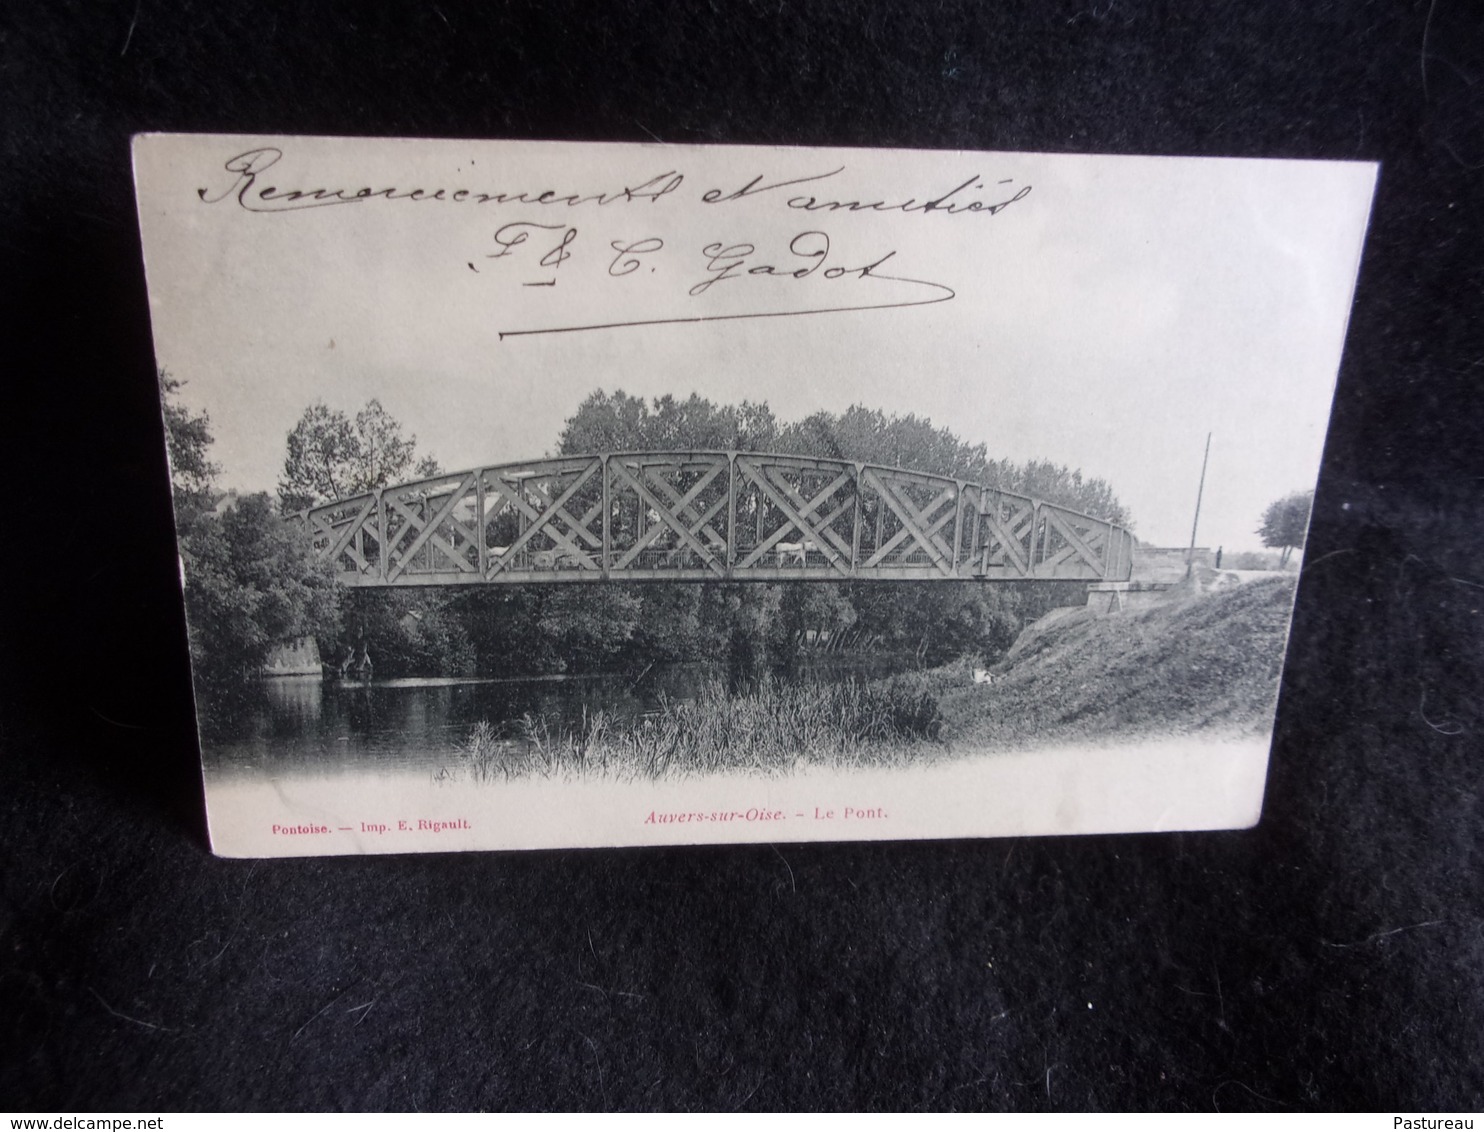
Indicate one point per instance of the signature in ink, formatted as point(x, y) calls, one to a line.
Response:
point(730, 263)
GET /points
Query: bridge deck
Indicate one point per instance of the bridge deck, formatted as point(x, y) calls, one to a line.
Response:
point(705, 516)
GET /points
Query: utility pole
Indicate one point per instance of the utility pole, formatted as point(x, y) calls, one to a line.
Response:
point(1190, 554)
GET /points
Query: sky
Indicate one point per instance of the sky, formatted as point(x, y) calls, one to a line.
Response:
point(1106, 313)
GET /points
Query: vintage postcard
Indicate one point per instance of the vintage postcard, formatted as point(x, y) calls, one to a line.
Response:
point(551, 494)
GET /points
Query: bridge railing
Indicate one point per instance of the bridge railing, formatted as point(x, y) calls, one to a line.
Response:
point(699, 515)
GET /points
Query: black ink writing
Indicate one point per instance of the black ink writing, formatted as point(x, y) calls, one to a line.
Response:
point(944, 203)
point(558, 254)
point(512, 236)
point(249, 167)
point(626, 261)
point(721, 261)
point(724, 262)
point(755, 186)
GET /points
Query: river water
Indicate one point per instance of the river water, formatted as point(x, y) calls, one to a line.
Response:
point(293, 725)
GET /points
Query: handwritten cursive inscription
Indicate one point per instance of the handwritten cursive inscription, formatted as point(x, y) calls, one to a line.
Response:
point(806, 276)
point(725, 262)
point(248, 167)
point(735, 262)
point(953, 202)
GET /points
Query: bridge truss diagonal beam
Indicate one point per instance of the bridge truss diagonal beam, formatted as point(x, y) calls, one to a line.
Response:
point(797, 515)
point(680, 518)
point(705, 516)
point(544, 523)
point(667, 516)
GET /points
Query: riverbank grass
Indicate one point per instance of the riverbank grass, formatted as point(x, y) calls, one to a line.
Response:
point(1201, 661)
point(773, 729)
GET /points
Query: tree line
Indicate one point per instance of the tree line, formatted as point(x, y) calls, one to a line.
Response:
point(251, 582)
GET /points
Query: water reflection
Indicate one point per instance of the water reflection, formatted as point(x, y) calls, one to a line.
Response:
point(296, 725)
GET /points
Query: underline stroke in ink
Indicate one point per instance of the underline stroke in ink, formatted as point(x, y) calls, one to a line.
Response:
point(721, 264)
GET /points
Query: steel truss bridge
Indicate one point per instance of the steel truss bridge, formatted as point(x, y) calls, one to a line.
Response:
point(705, 516)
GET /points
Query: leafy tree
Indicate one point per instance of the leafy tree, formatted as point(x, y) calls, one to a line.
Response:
point(618, 422)
point(902, 442)
point(913, 442)
point(405, 633)
point(621, 423)
point(251, 582)
point(331, 456)
point(819, 608)
point(605, 424)
point(674, 624)
point(588, 626)
point(187, 441)
point(321, 456)
point(746, 616)
point(502, 623)
point(1068, 488)
point(1286, 523)
point(250, 579)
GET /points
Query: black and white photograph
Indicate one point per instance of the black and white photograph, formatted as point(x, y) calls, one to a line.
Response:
point(536, 494)
point(748, 558)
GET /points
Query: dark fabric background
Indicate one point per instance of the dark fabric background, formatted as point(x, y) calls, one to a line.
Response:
point(1333, 957)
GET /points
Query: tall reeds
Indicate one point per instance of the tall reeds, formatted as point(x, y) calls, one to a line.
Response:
point(771, 729)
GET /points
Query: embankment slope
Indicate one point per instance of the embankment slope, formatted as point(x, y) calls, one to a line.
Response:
point(1206, 658)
